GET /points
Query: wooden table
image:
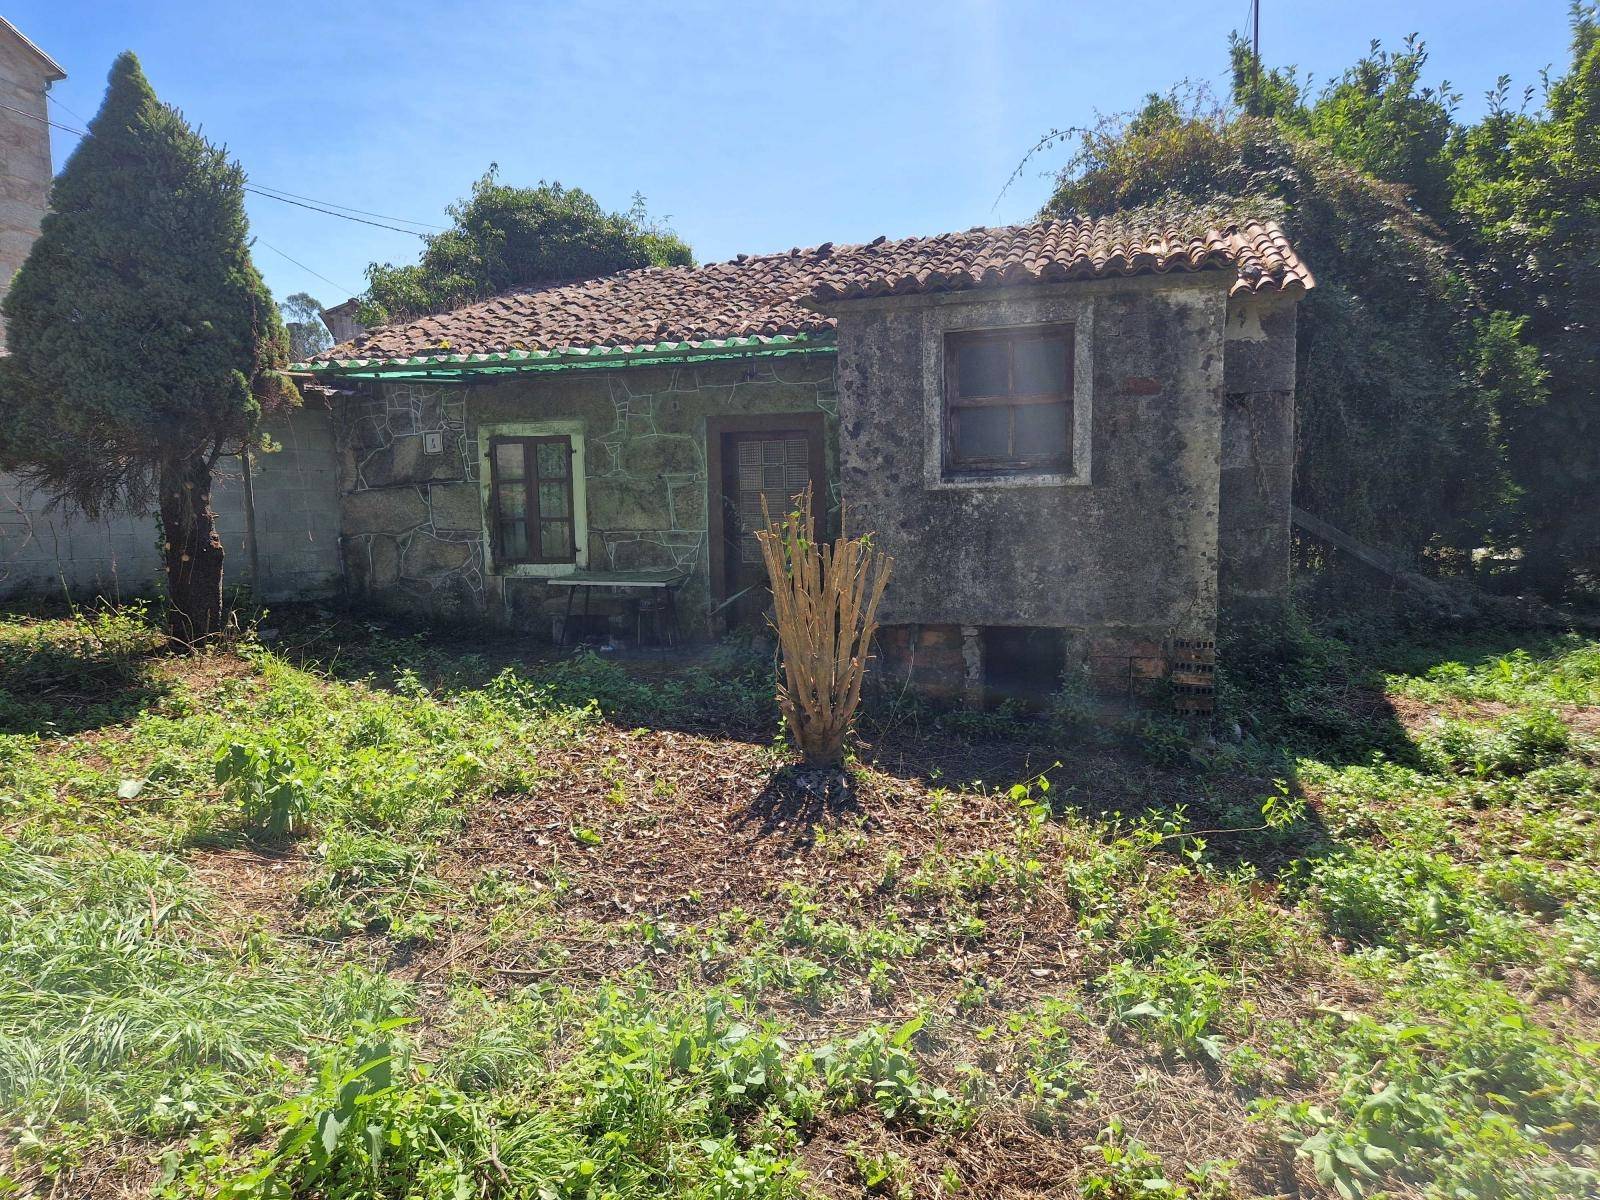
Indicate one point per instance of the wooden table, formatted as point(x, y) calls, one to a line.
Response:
point(667, 581)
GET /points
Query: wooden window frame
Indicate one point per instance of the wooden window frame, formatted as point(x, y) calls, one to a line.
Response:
point(532, 515)
point(954, 402)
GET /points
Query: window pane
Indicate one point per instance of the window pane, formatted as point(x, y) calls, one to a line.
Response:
point(983, 432)
point(512, 502)
point(1041, 367)
point(1041, 430)
point(554, 458)
point(508, 460)
point(981, 367)
point(555, 540)
point(553, 500)
point(513, 540)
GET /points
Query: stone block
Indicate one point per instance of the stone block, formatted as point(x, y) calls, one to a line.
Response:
point(385, 510)
point(457, 506)
point(624, 502)
point(428, 557)
point(384, 563)
point(650, 456)
point(636, 554)
point(688, 503)
point(403, 461)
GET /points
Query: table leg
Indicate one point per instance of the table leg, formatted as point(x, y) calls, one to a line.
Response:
point(566, 621)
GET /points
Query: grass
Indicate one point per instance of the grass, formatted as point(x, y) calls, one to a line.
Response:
point(360, 912)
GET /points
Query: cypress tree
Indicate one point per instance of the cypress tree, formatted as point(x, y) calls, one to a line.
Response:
point(144, 344)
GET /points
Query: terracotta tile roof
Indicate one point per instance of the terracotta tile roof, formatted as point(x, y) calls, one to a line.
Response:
point(1137, 244)
point(775, 294)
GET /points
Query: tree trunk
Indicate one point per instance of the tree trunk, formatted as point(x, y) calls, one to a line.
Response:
point(193, 550)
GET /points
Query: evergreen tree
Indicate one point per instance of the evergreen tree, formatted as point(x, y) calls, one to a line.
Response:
point(144, 345)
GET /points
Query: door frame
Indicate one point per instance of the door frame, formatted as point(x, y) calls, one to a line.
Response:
point(812, 424)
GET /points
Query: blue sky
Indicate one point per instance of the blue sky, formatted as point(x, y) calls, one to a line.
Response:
point(752, 127)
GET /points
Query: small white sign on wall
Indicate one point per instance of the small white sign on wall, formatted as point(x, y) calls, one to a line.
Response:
point(433, 442)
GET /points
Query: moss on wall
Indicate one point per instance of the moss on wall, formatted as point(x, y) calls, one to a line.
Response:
point(413, 522)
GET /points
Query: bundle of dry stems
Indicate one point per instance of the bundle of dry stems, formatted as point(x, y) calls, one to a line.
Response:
point(825, 601)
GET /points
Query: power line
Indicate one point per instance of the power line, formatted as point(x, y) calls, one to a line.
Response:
point(284, 198)
point(22, 112)
point(330, 213)
point(347, 207)
point(331, 283)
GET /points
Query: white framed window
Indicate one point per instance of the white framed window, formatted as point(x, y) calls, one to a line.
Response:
point(535, 505)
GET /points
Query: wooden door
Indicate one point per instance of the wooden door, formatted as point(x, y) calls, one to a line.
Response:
point(772, 464)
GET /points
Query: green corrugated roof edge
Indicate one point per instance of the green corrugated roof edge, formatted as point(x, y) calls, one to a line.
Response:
point(506, 362)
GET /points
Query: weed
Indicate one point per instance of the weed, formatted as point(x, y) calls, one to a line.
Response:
point(368, 883)
point(272, 790)
point(1175, 1001)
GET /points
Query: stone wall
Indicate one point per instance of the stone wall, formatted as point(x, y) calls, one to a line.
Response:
point(413, 523)
point(47, 551)
point(1124, 559)
point(1257, 456)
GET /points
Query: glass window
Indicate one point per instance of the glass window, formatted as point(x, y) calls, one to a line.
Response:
point(984, 432)
point(508, 459)
point(1041, 367)
point(984, 368)
point(532, 486)
point(1009, 399)
point(554, 457)
point(1041, 429)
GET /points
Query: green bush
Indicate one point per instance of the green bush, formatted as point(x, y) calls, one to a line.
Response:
point(1513, 745)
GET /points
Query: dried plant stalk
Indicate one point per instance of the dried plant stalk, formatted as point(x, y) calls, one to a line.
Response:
point(825, 600)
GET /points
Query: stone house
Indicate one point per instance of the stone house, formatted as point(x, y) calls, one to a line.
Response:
point(1076, 439)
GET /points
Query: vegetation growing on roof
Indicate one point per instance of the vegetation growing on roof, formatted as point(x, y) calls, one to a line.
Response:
point(504, 237)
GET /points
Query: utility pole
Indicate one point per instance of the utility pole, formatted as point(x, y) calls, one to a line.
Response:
point(1255, 55)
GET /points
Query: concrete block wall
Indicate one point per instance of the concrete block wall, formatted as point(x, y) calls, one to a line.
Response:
point(51, 552)
point(47, 552)
point(297, 511)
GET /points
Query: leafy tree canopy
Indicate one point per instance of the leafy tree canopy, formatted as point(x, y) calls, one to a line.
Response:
point(139, 330)
point(302, 319)
point(504, 237)
point(1448, 359)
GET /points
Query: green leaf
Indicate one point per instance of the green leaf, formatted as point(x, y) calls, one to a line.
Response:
point(908, 1031)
